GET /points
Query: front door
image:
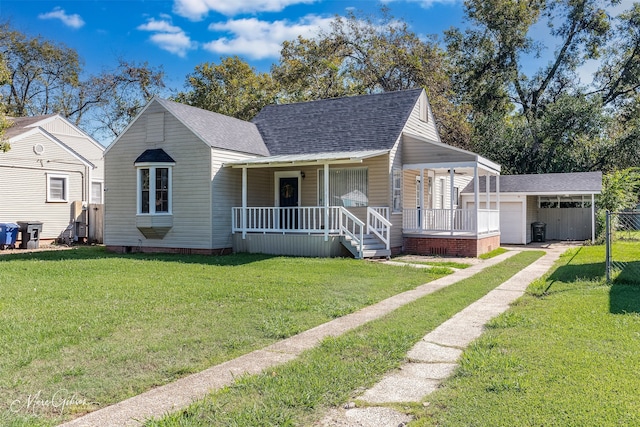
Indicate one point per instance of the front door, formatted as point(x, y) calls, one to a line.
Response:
point(288, 195)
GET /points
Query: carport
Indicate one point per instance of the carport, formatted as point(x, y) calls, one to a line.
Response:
point(565, 202)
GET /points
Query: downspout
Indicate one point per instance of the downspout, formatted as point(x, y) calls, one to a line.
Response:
point(326, 202)
point(243, 219)
point(593, 218)
point(476, 194)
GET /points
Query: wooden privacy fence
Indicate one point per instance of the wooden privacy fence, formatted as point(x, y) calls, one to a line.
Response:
point(95, 213)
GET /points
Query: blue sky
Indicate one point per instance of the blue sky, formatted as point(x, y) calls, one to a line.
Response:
point(180, 34)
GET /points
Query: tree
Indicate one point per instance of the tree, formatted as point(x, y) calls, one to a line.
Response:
point(232, 88)
point(551, 123)
point(45, 77)
point(4, 124)
point(362, 55)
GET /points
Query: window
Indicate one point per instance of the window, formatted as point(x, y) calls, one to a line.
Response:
point(154, 190)
point(57, 188)
point(397, 190)
point(96, 192)
point(564, 202)
point(348, 187)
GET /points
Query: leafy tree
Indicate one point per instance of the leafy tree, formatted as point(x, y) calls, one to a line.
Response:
point(232, 88)
point(548, 121)
point(360, 55)
point(4, 79)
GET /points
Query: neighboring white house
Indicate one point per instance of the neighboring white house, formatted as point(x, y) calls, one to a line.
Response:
point(564, 202)
point(365, 174)
point(51, 170)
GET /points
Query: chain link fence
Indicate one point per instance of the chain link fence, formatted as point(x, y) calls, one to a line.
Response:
point(623, 246)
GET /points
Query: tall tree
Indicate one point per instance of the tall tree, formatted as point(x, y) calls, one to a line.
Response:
point(365, 54)
point(552, 122)
point(45, 77)
point(4, 79)
point(232, 88)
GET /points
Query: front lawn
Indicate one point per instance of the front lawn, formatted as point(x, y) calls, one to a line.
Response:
point(82, 329)
point(567, 354)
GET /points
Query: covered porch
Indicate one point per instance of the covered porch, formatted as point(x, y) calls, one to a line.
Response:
point(313, 205)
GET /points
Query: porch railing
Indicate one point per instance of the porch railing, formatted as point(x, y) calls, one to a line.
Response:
point(378, 224)
point(446, 220)
point(352, 227)
point(305, 220)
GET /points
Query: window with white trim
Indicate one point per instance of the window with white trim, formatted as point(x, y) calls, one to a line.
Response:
point(397, 190)
point(154, 190)
point(348, 187)
point(564, 202)
point(96, 192)
point(57, 188)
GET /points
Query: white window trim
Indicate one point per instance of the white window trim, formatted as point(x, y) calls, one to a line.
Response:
point(286, 174)
point(101, 182)
point(152, 187)
point(396, 191)
point(65, 196)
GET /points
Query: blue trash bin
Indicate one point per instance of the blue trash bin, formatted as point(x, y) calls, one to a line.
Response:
point(8, 235)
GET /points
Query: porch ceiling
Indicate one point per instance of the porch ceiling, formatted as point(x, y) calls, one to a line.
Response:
point(306, 159)
point(436, 155)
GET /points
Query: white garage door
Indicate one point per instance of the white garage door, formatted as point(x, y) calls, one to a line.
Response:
point(511, 223)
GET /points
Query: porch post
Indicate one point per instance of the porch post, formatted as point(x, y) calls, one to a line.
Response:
point(243, 221)
point(326, 202)
point(476, 194)
point(420, 213)
point(452, 173)
point(593, 218)
point(488, 184)
point(498, 198)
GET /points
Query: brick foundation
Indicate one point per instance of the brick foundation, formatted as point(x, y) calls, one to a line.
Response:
point(450, 246)
point(182, 251)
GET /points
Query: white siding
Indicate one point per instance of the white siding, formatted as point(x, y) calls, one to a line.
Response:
point(191, 191)
point(23, 184)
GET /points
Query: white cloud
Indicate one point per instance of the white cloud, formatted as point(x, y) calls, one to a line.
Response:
point(73, 21)
point(424, 3)
point(198, 9)
point(262, 39)
point(168, 37)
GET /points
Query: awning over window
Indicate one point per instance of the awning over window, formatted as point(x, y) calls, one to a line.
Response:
point(157, 155)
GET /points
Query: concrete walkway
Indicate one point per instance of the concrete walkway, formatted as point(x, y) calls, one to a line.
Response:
point(181, 393)
point(435, 357)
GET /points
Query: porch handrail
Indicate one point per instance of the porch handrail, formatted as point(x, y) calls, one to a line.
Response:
point(379, 225)
point(303, 219)
point(353, 227)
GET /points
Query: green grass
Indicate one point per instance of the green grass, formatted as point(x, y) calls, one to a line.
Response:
point(298, 393)
point(97, 328)
point(567, 354)
point(448, 264)
point(493, 253)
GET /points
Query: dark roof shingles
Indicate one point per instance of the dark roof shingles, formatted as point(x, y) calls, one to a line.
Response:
point(545, 183)
point(368, 122)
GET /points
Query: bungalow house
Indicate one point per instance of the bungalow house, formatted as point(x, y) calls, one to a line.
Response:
point(365, 174)
point(564, 202)
point(50, 174)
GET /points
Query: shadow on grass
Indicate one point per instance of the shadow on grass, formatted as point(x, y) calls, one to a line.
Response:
point(99, 252)
point(624, 296)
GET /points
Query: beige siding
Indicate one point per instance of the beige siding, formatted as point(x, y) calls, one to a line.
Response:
point(191, 186)
point(23, 184)
point(288, 244)
point(419, 127)
point(226, 189)
point(532, 214)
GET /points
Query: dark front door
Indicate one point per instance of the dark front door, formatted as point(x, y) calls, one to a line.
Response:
point(288, 188)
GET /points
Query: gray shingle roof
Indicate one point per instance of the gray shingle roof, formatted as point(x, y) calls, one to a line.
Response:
point(548, 183)
point(19, 125)
point(156, 155)
point(368, 122)
point(217, 130)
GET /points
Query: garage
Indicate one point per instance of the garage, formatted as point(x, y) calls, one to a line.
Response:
point(565, 202)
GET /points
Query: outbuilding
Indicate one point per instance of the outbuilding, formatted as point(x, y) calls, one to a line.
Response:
point(563, 202)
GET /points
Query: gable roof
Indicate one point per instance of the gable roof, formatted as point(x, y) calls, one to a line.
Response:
point(20, 125)
point(218, 130)
point(547, 183)
point(367, 122)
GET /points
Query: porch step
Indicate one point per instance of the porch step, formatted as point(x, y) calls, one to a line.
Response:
point(372, 247)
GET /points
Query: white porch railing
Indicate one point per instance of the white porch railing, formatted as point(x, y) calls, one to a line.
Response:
point(352, 227)
point(442, 220)
point(379, 225)
point(305, 220)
